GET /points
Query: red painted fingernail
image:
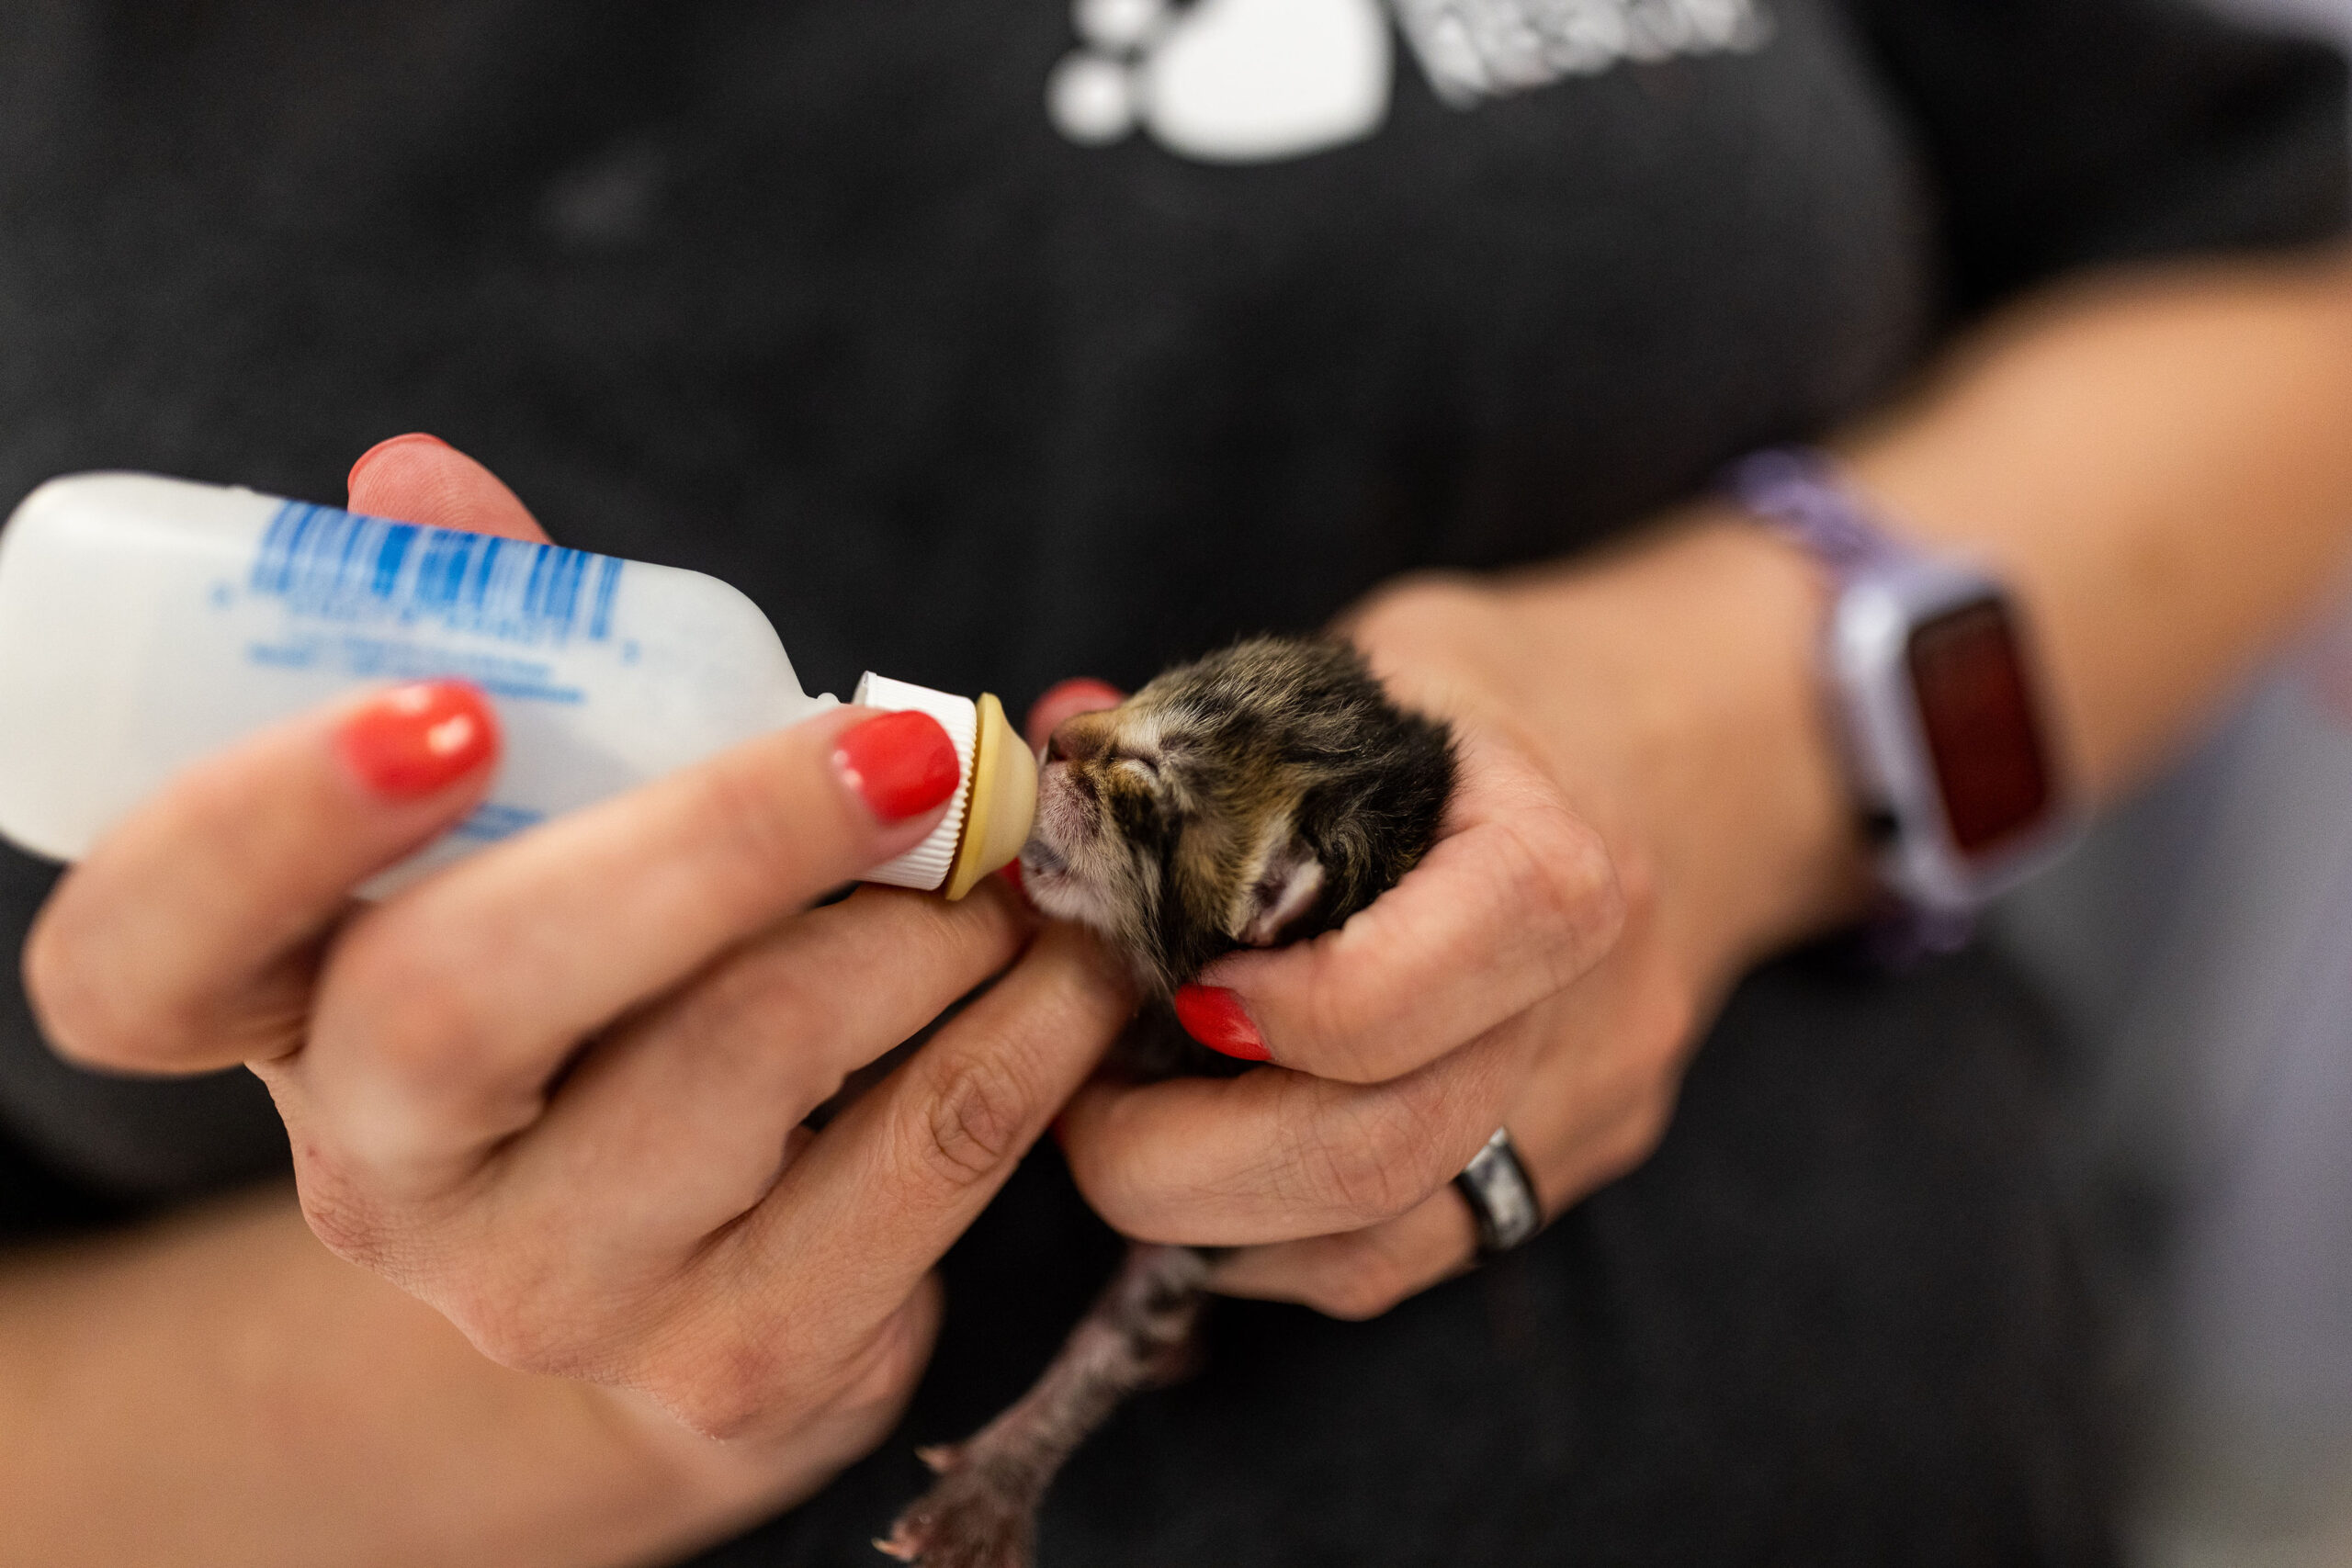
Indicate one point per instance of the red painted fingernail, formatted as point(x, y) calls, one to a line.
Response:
point(412, 438)
point(1214, 1017)
point(899, 764)
point(1011, 873)
point(420, 738)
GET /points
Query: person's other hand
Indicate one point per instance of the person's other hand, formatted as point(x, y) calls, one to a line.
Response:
point(1628, 832)
point(560, 1089)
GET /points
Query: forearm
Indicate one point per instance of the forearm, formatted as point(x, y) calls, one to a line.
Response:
point(2160, 465)
point(220, 1389)
point(2163, 467)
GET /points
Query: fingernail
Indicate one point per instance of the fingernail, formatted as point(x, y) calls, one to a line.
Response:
point(411, 438)
point(420, 738)
point(1214, 1017)
point(1011, 873)
point(899, 764)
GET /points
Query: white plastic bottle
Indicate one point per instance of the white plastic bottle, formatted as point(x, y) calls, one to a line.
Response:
point(145, 622)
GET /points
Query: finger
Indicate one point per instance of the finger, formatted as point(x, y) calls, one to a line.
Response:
point(679, 1122)
point(1515, 901)
point(1597, 1100)
point(421, 479)
point(1065, 699)
point(1362, 1273)
point(1604, 1085)
point(184, 940)
point(1276, 1155)
point(443, 1013)
point(869, 1208)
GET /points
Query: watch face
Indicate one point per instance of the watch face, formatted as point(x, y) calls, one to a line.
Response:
point(1969, 677)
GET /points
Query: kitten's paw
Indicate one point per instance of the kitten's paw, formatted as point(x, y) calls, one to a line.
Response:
point(967, 1520)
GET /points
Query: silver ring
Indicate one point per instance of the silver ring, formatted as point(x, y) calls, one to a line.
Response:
point(1500, 1197)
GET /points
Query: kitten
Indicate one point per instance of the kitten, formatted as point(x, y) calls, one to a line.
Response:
point(1260, 795)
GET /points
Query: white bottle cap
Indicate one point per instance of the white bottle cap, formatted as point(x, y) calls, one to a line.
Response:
point(927, 864)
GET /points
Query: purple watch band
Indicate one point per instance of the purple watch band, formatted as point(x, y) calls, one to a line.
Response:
point(1800, 491)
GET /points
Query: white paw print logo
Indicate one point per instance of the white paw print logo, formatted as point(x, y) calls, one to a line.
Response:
point(1225, 81)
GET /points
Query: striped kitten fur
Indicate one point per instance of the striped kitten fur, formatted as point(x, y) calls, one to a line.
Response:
point(1259, 796)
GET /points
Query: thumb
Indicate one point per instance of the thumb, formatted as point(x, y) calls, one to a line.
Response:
point(423, 479)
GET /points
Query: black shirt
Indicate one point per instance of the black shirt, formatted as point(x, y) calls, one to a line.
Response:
point(818, 298)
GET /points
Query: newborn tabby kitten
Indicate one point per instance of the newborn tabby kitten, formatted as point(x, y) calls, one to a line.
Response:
point(1260, 795)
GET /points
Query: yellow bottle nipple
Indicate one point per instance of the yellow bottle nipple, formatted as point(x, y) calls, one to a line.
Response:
point(1003, 800)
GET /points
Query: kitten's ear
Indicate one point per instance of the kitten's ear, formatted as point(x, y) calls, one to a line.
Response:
point(1286, 886)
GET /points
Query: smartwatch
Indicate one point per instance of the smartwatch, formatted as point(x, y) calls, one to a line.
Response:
point(1930, 673)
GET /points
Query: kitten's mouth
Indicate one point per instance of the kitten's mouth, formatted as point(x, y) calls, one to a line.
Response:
point(1039, 858)
point(1063, 827)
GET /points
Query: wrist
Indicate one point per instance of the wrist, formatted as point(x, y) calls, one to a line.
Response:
point(1671, 689)
point(1679, 681)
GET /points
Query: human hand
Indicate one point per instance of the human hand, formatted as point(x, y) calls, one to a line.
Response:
point(1645, 807)
point(558, 1090)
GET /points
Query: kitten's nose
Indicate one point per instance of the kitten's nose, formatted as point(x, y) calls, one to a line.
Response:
point(1078, 740)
